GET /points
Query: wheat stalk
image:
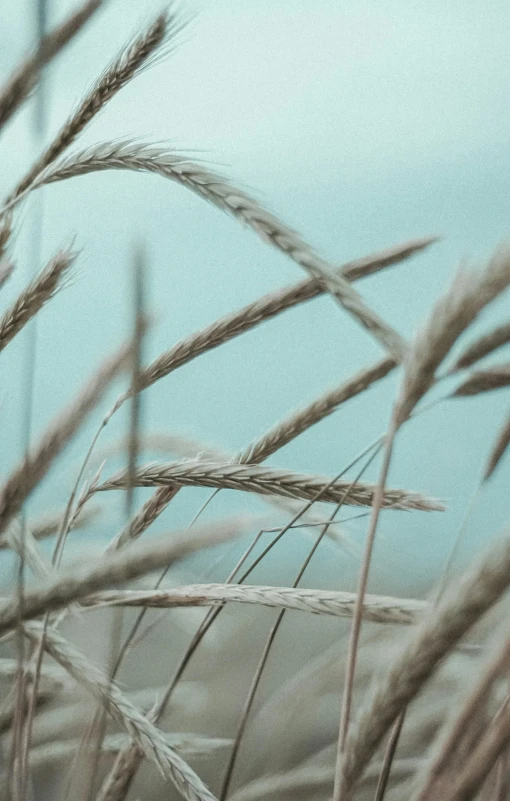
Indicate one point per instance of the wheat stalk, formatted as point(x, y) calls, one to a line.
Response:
point(438, 633)
point(217, 190)
point(130, 62)
point(270, 442)
point(21, 83)
point(264, 480)
point(34, 297)
point(139, 558)
point(147, 736)
point(438, 774)
point(469, 293)
point(298, 422)
point(145, 516)
point(36, 464)
point(265, 308)
point(378, 609)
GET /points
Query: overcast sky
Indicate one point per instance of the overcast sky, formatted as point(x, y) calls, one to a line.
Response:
point(362, 124)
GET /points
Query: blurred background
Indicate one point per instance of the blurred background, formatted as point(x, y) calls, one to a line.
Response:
point(362, 125)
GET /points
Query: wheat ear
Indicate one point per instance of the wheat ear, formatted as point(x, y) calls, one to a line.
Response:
point(34, 297)
point(298, 422)
point(270, 442)
point(131, 60)
point(147, 736)
point(131, 562)
point(377, 608)
point(265, 480)
point(36, 464)
point(218, 191)
point(454, 615)
point(144, 517)
point(469, 293)
point(265, 308)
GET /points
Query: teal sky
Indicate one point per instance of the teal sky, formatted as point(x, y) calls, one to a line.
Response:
point(362, 124)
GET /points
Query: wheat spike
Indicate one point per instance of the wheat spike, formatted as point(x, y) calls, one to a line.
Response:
point(216, 190)
point(264, 480)
point(322, 602)
point(131, 60)
point(469, 293)
point(34, 297)
point(36, 464)
point(298, 422)
point(265, 308)
point(138, 559)
point(147, 736)
point(438, 633)
point(19, 86)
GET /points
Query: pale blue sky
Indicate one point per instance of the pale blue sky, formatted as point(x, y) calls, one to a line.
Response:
point(362, 124)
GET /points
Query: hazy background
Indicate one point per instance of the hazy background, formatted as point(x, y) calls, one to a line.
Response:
point(362, 124)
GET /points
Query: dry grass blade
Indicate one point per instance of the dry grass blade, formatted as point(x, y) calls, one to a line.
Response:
point(487, 380)
point(147, 736)
point(267, 307)
point(377, 608)
point(217, 190)
point(439, 632)
point(267, 444)
point(132, 59)
point(276, 438)
point(265, 481)
point(37, 463)
point(300, 421)
point(498, 450)
point(138, 559)
point(469, 293)
point(483, 346)
point(21, 83)
point(35, 296)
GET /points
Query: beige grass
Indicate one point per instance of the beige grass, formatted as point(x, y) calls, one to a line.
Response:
point(408, 650)
point(34, 297)
point(265, 480)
